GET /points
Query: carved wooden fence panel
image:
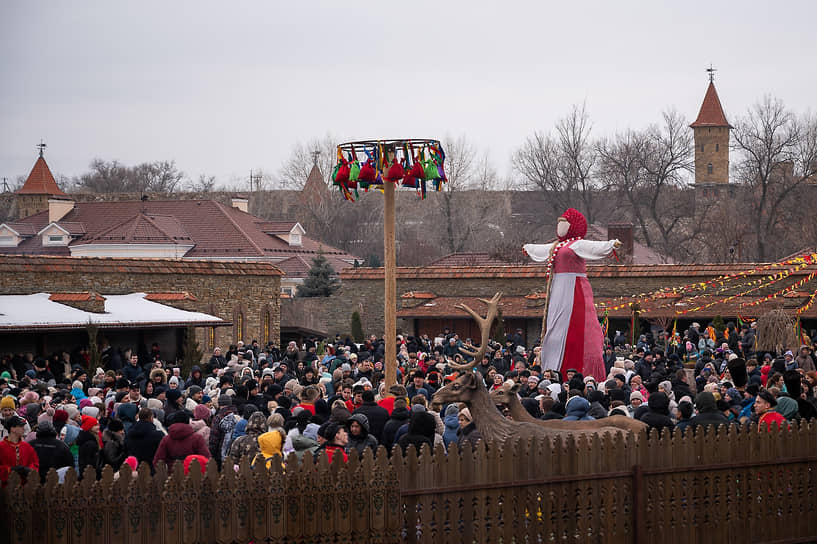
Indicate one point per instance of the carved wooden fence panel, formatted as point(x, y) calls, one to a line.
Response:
point(715, 487)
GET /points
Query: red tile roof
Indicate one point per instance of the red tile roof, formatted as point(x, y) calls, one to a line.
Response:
point(40, 181)
point(711, 114)
point(442, 307)
point(170, 296)
point(217, 231)
point(76, 297)
point(538, 271)
point(294, 267)
point(142, 229)
point(63, 264)
point(467, 259)
point(276, 227)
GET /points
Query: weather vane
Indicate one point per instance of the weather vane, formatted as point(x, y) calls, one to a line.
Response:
point(41, 146)
point(711, 72)
point(315, 155)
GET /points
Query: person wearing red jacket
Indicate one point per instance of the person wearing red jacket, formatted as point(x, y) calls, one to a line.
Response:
point(15, 454)
point(181, 440)
point(769, 419)
point(334, 439)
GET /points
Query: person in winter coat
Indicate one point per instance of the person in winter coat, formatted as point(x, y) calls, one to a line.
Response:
point(377, 415)
point(768, 418)
point(468, 433)
point(399, 417)
point(708, 414)
point(181, 441)
point(307, 441)
point(16, 455)
point(201, 422)
point(577, 408)
point(88, 444)
point(221, 429)
point(113, 450)
point(126, 413)
point(657, 415)
point(359, 437)
point(421, 430)
point(452, 424)
point(270, 444)
point(142, 440)
point(195, 378)
point(51, 451)
point(335, 440)
point(247, 445)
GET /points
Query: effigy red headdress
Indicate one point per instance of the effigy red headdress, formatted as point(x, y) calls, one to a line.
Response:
point(578, 224)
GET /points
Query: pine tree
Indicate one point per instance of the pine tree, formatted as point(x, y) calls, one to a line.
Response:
point(357, 328)
point(192, 353)
point(718, 324)
point(321, 281)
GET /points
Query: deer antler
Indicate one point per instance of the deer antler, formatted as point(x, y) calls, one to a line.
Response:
point(484, 327)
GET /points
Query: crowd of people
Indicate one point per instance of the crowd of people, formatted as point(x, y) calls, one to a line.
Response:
point(255, 402)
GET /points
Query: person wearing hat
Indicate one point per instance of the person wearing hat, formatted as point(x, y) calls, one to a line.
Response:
point(15, 454)
point(143, 438)
point(88, 444)
point(221, 428)
point(181, 441)
point(51, 451)
point(468, 433)
point(708, 414)
point(8, 408)
point(768, 418)
point(113, 450)
point(335, 441)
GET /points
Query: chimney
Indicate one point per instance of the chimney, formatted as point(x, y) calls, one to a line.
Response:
point(59, 208)
point(624, 233)
point(241, 203)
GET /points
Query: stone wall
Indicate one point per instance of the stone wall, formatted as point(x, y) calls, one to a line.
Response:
point(715, 142)
point(245, 293)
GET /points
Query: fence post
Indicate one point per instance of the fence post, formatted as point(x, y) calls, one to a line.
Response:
point(638, 505)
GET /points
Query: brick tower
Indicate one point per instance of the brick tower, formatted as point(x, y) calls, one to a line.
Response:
point(33, 196)
point(711, 132)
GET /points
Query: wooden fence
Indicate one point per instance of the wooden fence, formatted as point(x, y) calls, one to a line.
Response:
point(727, 486)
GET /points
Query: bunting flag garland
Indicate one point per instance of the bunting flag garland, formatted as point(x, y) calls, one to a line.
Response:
point(731, 286)
point(410, 163)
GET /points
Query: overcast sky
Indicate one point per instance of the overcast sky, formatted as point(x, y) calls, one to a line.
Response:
point(223, 87)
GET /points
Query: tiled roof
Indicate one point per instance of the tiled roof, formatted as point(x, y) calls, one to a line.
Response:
point(711, 114)
point(40, 181)
point(217, 231)
point(276, 227)
point(170, 296)
point(538, 271)
point(63, 264)
point(442, 307)
point(76, 297)
point(142, 229)
point(294, 267)
point(467, 259)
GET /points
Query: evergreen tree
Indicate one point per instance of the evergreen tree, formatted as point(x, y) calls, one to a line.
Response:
point(357, 328)
point(718, 324)
point(321, 281)
point(373, 261)
point(192, 353)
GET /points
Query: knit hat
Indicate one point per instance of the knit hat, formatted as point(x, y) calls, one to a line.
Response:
point(116, 425)
point(48, 415)
point(201, 412)
point(202, 460)
point(193, 389)
point(179, 416)
point(72, 410)
point(76, 385)
point(328, 430)
point(85, 402)
point(88, 423)
point(8, 402)
point(173, 395)
point(60, 416)
point(92, 411)
point(666, 385)
point(92, 392)
point(636, 395)
point(225, 400)
point(768, 397)
point(155, 404)
point(578, 224)
point(132, 462)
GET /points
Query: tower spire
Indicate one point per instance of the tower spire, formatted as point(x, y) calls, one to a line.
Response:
point(42, 147)
point(711, 72)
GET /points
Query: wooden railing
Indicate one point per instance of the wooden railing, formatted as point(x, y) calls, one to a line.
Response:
point(726, 486)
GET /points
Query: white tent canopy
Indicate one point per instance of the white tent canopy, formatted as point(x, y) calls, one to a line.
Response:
point(36, 311)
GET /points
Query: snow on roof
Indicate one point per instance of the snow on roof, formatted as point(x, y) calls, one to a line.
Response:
point(37, 311)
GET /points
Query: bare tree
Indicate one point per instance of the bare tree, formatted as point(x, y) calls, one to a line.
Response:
point(777, 154)
point(114, 177)
point(293, 173)
point(563, 163)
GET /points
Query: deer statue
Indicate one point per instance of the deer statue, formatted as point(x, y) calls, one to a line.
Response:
point(469, 389)
point(506, 395)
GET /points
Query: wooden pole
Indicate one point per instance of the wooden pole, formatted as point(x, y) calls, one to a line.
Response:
point(390, 285)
